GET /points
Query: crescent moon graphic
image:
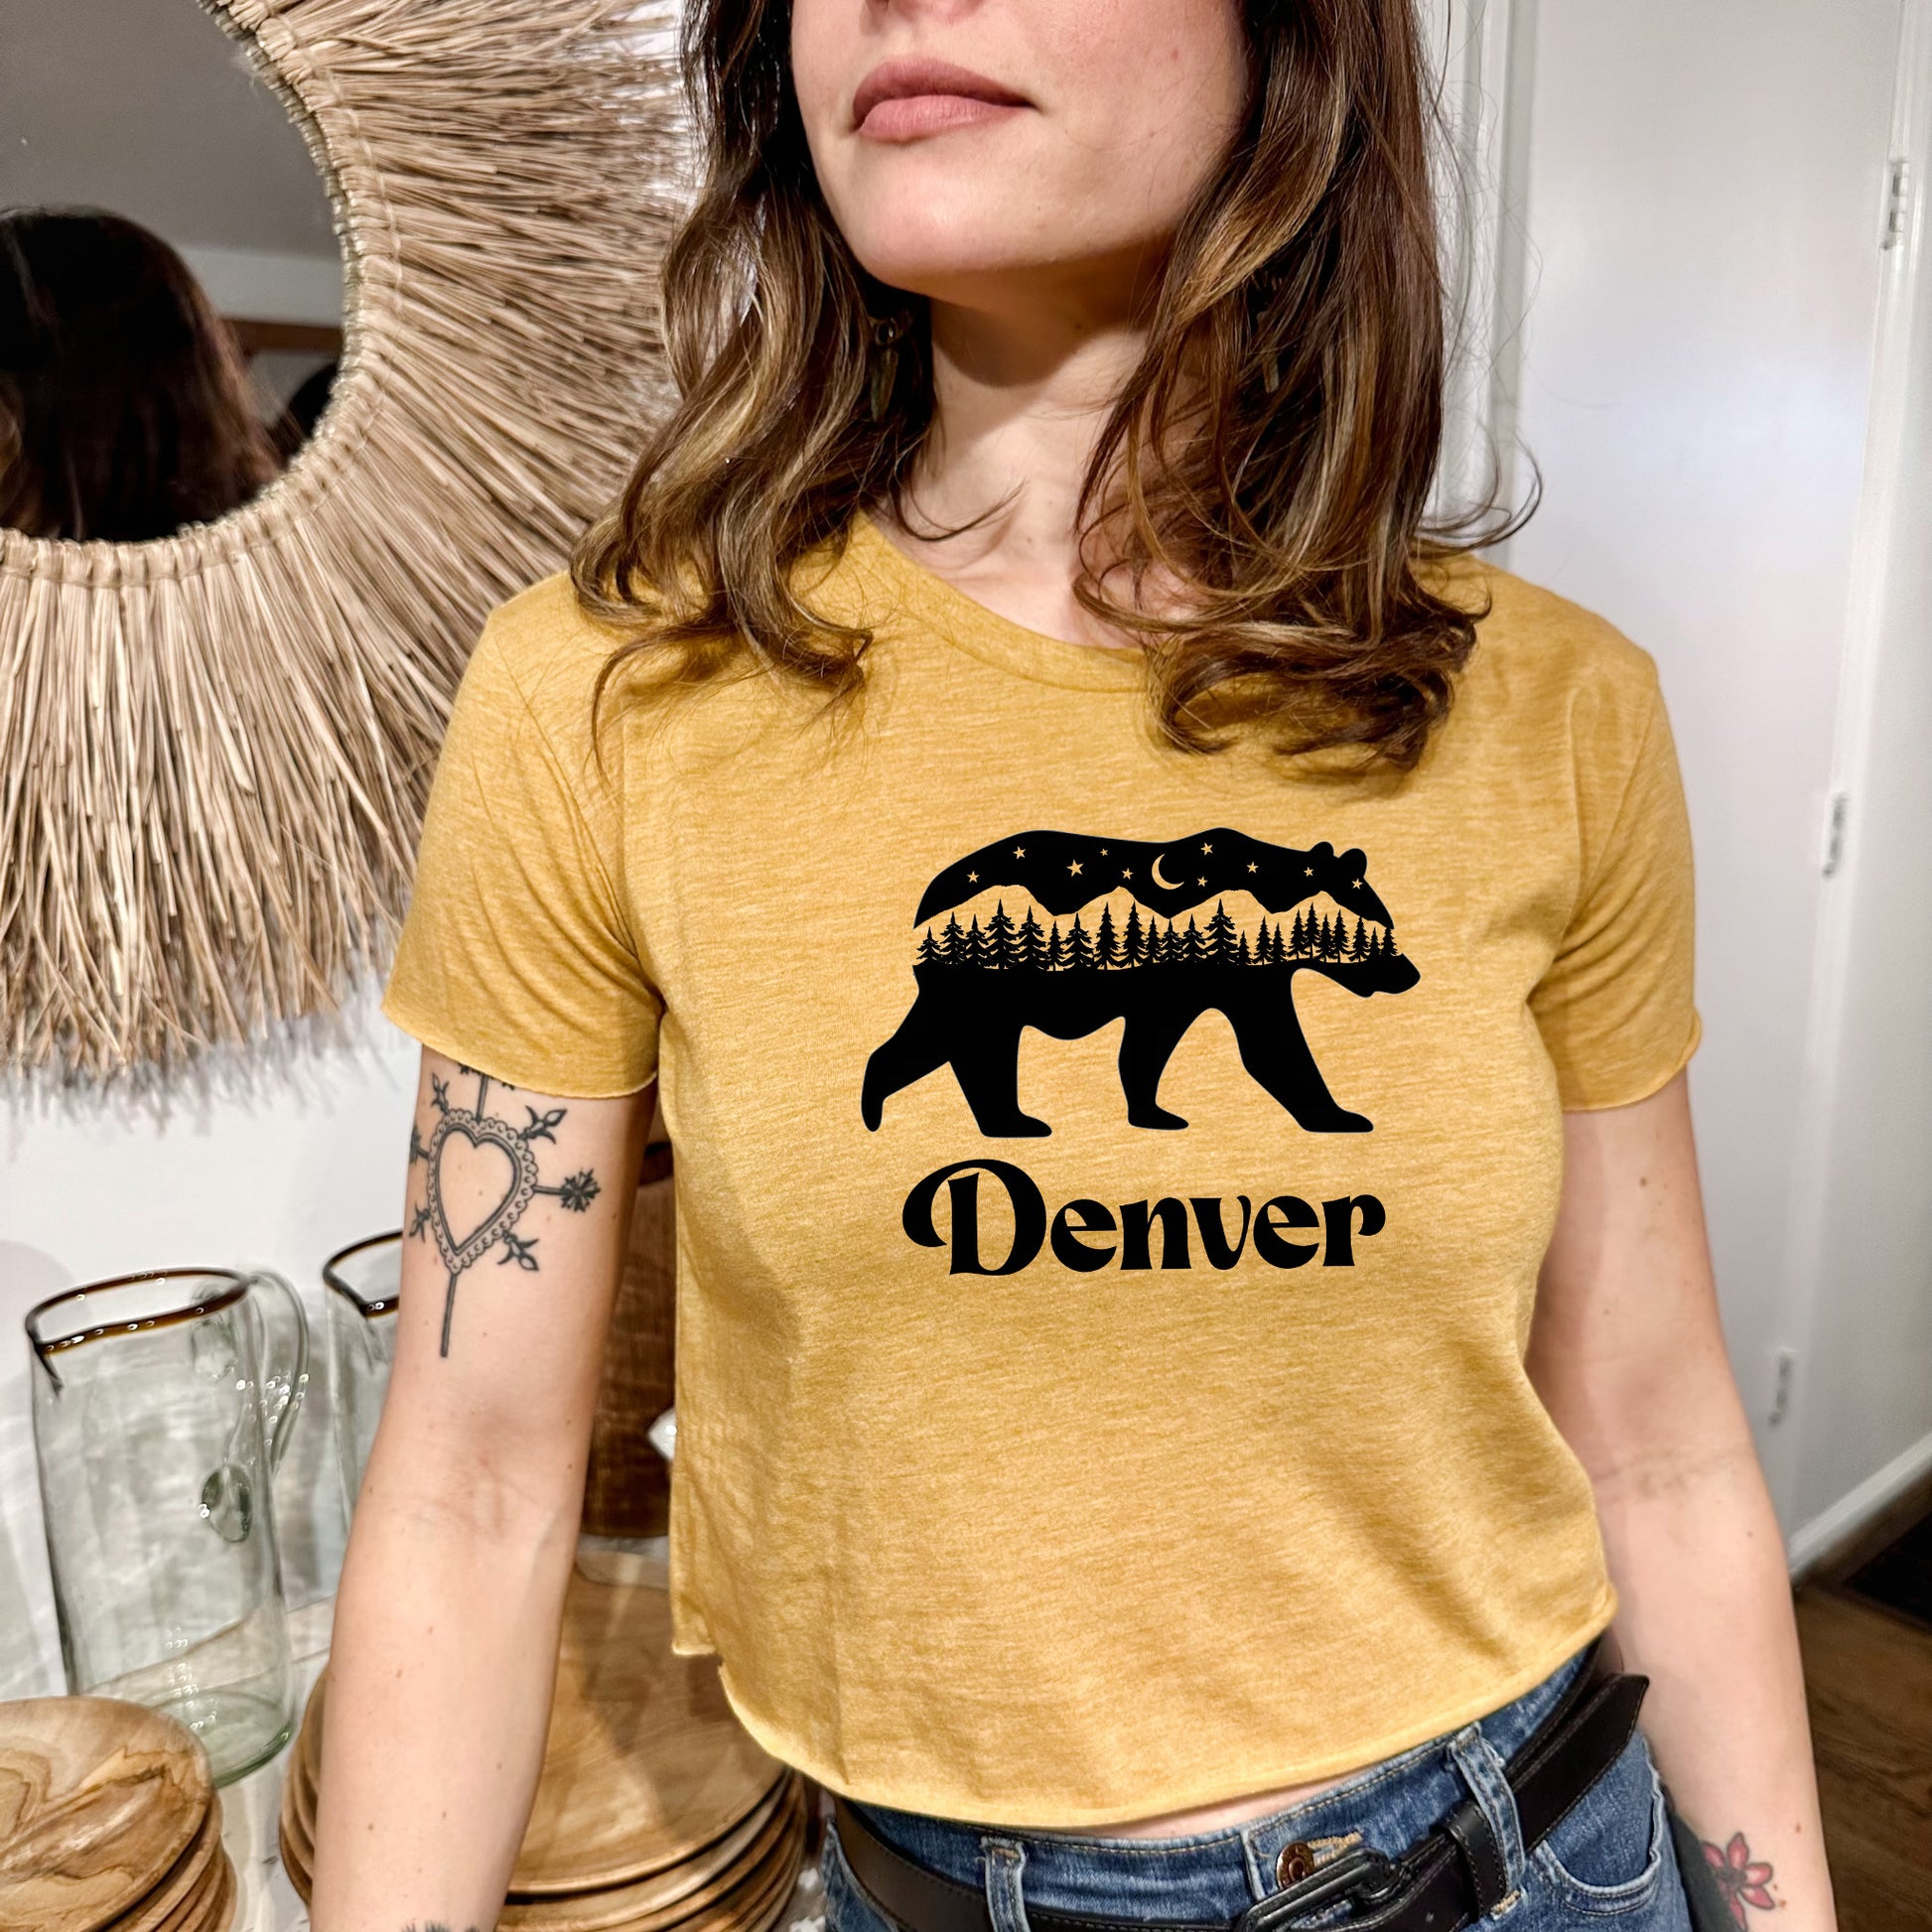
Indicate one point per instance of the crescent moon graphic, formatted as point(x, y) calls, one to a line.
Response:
point(1154, 873)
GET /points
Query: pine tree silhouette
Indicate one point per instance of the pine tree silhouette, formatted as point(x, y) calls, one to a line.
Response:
point(1218, 942)
point(1002, 949)
point(930, 953)
point(1032, 946)
point(1359, 950)
point(1278, 955)
point(1242, 954)
point(1134, 947)
point(1056, 951)
point(975, 948)
point(952, 943)
point(1192, 943)
point(1080, 948)
point(1299, 944)
point(1106, 942)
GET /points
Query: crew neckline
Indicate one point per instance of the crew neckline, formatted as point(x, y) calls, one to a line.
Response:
point(969, 626)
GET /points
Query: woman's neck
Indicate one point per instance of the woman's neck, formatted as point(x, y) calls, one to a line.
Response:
point(1020, 403)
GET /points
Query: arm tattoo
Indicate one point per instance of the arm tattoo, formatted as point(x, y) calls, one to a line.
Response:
point(1741, 1879)
point(506, 1156)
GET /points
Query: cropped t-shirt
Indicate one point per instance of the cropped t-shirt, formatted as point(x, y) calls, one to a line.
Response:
point(1111, 1180)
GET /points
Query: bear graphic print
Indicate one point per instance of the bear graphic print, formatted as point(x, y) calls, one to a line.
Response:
point(980, 987)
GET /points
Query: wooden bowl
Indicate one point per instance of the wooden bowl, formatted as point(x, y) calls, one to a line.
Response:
point(219, 1914)
point(682, 1893)
point(747, 1896)
point(209, 1903)
point(646, 1763)
point(644, 1766)
point(186, 1880)
point(99, 1801)
point(295, 1863)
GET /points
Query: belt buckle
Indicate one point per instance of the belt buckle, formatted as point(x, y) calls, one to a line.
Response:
point(1360, 1869)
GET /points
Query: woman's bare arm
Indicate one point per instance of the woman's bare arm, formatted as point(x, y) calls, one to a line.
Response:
point(452, 1594)
point(1628, 1355)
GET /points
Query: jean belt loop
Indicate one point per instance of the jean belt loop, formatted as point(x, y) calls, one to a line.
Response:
point(1006, 1859)
point(1488, 1781)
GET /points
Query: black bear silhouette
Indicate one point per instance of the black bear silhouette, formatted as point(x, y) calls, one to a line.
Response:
point(979, 989)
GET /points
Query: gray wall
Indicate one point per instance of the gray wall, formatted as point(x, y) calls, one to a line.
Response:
point(145, 107)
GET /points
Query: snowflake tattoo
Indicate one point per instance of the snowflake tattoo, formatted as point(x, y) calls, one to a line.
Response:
point(505, 1156)
point(578, 1190)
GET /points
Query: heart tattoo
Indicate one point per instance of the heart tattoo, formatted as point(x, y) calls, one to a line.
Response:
point(457, 1131)
point(492, 1168)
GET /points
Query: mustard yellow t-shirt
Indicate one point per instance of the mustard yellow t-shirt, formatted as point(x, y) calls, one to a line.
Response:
point(1111, 1182)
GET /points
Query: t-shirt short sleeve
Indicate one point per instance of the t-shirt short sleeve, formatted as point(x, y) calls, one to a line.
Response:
point(517, 957)
point(1617, 1008)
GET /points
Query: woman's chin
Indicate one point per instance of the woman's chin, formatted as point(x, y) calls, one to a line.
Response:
point(985, 265)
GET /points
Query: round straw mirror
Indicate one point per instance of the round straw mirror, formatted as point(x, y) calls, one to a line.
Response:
point(218, 725)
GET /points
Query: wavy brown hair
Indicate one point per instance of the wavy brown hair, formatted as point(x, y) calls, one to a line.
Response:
point(1269, 462)
point(125, 411)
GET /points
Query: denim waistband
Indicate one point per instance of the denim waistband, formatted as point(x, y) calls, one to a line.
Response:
point(1219, 1874)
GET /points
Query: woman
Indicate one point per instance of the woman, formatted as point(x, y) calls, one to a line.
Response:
point(1156, 1437)
point(125, 411)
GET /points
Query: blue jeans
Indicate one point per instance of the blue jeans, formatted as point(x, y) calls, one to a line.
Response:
point(1609, 1864)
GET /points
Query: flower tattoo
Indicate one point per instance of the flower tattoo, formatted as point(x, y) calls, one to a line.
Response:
point(1741, 1879)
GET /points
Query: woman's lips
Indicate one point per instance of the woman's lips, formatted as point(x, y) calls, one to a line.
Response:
point(906, 100)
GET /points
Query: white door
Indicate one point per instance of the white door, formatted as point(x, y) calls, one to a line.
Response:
point(1860, 1314)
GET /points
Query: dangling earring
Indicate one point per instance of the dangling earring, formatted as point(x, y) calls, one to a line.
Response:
point(887, 332)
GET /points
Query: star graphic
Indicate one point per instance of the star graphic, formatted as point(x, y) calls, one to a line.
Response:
point(1252, 867)
point(1127, 872)
point(1019, 851)
point(1200, 881)
point(1208, 848)
point(1307, 871)
point(972, 877)
point(1358, 884)
point(1074, 867)
point(1103, 851)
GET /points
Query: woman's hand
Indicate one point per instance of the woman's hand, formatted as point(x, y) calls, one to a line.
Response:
point(1628, 1355)
point(446, 1626)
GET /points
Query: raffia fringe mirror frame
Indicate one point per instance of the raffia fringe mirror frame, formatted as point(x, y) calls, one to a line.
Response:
point(214, 748)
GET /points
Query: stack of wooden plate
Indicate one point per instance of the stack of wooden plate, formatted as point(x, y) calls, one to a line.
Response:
point(108, 1822)
point(655, 1809)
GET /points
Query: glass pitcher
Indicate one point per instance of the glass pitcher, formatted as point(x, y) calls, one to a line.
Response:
point(162, 1405)
point(364, 1283)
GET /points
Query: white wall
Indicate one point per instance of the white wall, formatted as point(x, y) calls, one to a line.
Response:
point(1706, 185)
point(274, 1158)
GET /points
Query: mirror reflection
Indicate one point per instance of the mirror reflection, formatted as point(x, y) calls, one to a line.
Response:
point(171, 287)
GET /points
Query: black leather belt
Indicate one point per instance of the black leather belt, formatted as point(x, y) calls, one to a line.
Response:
point(1451, 1878)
